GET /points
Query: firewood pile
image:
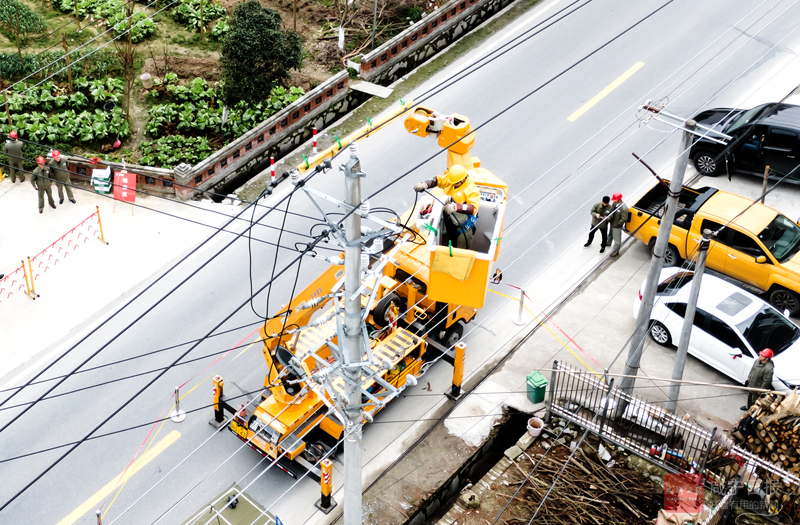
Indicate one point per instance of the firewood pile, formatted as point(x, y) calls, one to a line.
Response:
point(771, 430)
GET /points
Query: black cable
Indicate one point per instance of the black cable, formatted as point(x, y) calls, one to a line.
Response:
point(514, 104)
point(120, 431)
point(147, 288)
point(157, 196)
point(141, 390)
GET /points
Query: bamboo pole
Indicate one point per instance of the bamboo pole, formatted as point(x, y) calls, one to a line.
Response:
point(66, 56)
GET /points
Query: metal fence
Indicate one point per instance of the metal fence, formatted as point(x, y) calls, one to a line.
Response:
point(660, 437)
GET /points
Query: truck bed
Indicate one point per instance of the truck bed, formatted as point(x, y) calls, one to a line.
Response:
point(690, 200)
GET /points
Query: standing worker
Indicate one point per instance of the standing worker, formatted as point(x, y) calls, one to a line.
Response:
point(41, 181)
point(461, 214)
point(60, 172)
point(13, 148)
point(760, 376)
point(618, 219)
point(599, 213)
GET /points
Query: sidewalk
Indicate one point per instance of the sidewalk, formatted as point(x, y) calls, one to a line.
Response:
point(90, 280)
point(588, 331)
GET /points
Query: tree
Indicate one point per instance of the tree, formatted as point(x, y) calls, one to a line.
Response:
point(20, 19)
point(257, 53)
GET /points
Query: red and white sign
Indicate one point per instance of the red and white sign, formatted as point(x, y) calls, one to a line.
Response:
point(125, 186)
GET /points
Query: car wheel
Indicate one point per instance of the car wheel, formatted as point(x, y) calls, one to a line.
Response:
point(784, 299)
point(380, 314)
point(706, 163)
point(660, 334)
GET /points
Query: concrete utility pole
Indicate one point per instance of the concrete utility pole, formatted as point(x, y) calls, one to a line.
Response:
point(352, 343)
point(688, 321)
point(657, 262)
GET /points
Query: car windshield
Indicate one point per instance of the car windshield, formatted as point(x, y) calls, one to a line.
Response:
point(781, 237)
point(673, 283)
point(746, 118)
point(769, 329)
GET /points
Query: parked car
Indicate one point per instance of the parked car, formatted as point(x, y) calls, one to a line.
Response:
point(766, 135)
point(756, 244)
point(730, 327)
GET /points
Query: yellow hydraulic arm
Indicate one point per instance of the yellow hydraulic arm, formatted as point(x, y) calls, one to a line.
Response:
point(453, 131)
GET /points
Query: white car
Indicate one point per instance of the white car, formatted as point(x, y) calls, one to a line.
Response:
point(730, 327)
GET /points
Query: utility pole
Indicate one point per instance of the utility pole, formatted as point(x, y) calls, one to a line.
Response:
point(688, 321)
point(352, 343)
point(657, 262)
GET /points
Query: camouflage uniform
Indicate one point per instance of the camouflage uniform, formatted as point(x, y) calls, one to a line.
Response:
point(41, 181)
point(61, 176)
point(13, 148)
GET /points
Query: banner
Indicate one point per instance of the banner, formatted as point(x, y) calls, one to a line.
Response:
point(125, 186)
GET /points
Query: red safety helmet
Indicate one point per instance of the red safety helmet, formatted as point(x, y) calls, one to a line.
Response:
point(616, 197)
point(767, 352)
point(40, 160)
point(13, 135)
point(56, 154)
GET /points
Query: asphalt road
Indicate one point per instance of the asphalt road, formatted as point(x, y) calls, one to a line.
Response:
point(694, 54)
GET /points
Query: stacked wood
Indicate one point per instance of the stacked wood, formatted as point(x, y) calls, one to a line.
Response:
point(774, 436)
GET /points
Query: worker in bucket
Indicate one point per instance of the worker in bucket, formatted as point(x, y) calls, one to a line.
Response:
point(760, 376)
point(461, 213)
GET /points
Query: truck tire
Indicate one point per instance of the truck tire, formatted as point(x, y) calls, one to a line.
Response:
point(671, 255)
point(784, 299)
point(705, 162)
point(453, 334)
point(380, 314)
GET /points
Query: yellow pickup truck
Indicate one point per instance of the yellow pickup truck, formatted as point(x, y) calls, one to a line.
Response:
point(759, 247)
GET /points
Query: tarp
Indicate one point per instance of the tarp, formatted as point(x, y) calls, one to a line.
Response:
point(455, 262)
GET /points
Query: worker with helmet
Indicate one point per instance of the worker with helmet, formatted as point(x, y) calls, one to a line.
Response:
point(41, 181)
point(13, 148)
point(461, 213)
point(618, 219)
point(760, 376)
point(60, 172)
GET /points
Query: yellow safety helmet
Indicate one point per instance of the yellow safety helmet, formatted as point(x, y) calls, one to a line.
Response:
point(455, 174)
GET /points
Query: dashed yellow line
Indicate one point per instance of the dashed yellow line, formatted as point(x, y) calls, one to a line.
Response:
point(608, 89)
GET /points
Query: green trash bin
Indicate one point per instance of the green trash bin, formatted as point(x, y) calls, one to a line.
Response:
point(537, 384)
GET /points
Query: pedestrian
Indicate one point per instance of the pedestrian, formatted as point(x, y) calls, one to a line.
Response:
point(599, 213)
point(760, 376)
point(13, 148)
point(41, 181)
point(461, 214)
point(60, 172)
point(619, 216)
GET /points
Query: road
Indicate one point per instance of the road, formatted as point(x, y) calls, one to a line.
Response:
point(693, 54)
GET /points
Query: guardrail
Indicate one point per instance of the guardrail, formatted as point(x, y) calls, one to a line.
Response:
point(660, 437)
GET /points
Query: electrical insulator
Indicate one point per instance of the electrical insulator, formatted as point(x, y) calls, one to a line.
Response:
point(364, 262)
point(364, 208)
point(295, 177)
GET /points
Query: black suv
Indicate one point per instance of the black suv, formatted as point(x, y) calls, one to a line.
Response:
point(767, 135)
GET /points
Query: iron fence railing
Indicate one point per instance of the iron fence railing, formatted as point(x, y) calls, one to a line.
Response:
point(660, 437)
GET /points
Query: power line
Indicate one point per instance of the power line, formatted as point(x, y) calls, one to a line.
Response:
point(183, 259)
point(151, 382)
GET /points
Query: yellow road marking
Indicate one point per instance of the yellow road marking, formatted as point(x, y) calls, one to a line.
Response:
point(550, 331)
point(91, 503)
point(608, 89)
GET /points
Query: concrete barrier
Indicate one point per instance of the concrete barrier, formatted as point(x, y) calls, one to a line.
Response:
point(425, 38)
point(151, 180)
